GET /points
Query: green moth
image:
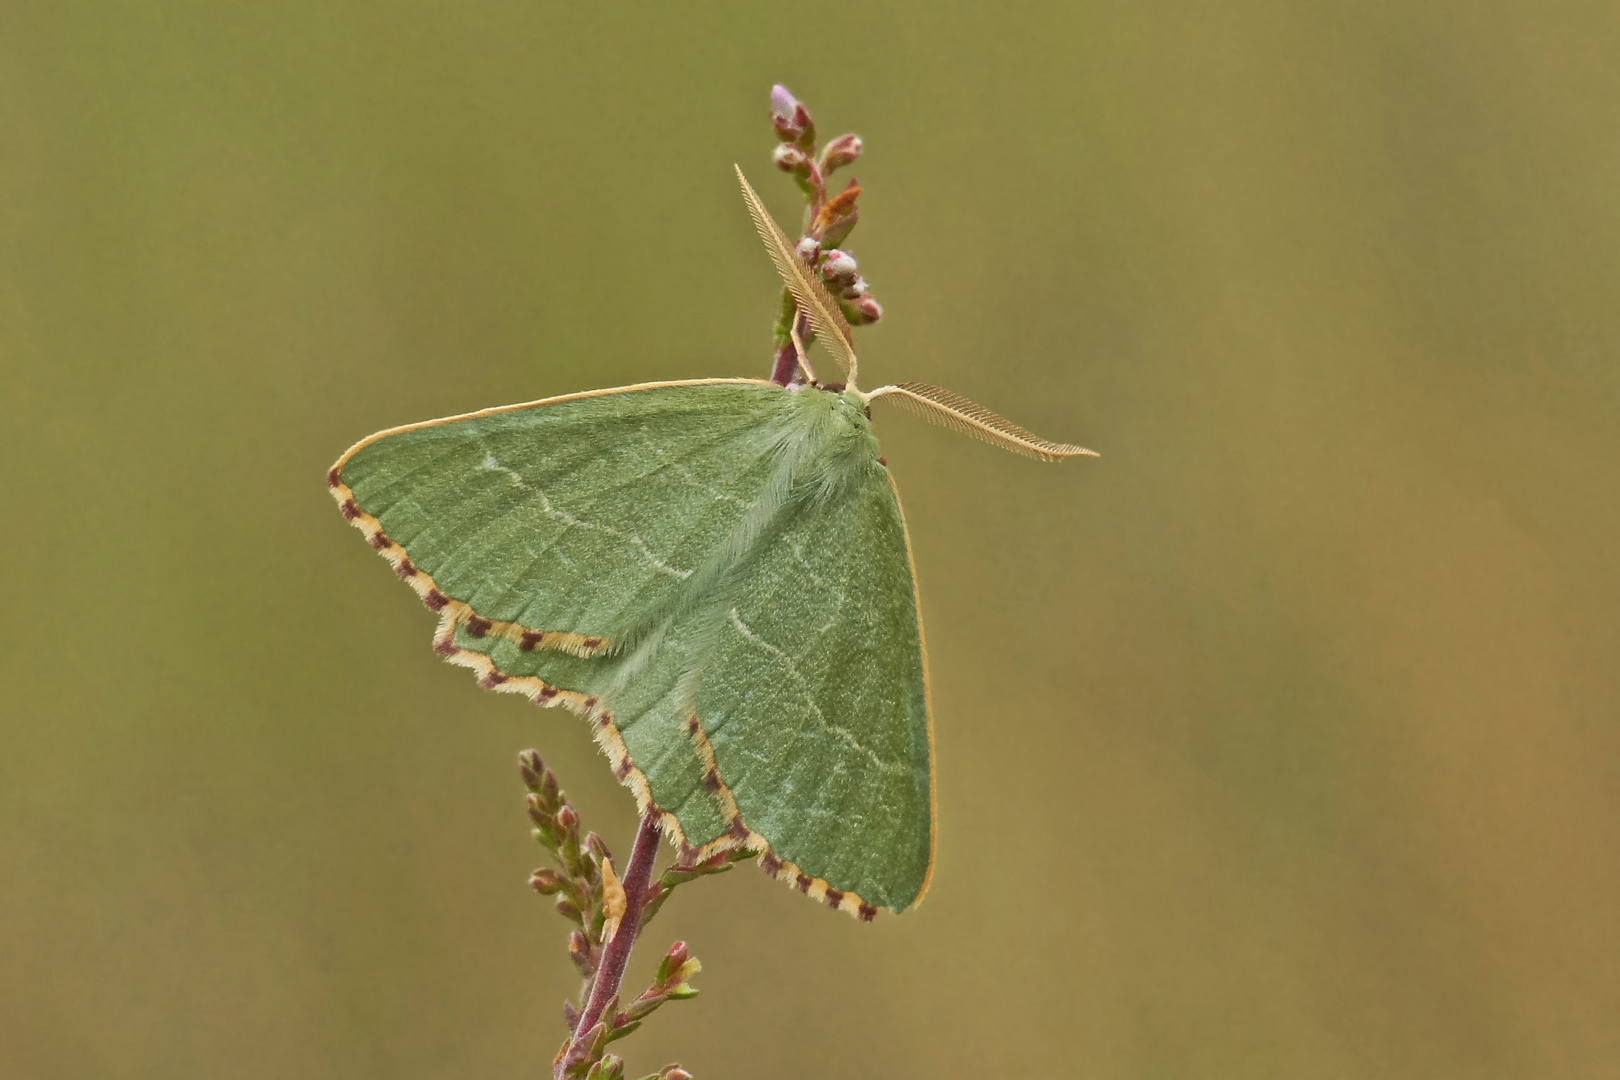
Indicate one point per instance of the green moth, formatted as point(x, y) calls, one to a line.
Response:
point(716, 575)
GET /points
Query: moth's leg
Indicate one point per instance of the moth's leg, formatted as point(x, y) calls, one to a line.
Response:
point(798, 347)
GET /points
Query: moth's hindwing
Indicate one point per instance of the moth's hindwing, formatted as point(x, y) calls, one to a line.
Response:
point(636, 705)
point(815, 703)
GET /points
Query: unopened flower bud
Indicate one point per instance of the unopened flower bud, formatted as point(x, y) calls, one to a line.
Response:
point(597, 845)
point(532, 765)
point(866, 310)
point(537, 810)
point(674, 1072)
point(579, 949)
point(671, 963)
point(855, 291)
point(783, 107)
point(837, 216)
point(790, 119)
point(791, 159)
point(545, 881)
point(809, 249)
point(840, 152)
point(567, 818)
point(838, 267)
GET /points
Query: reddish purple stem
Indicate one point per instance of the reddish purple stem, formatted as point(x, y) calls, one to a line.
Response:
point(786, 365)
point(616, 956)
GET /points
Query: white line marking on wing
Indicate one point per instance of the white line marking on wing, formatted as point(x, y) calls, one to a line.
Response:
point(558, 514)
point(793, 670)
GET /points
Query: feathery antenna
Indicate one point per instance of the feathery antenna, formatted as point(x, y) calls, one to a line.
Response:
point(808, 292)
point(940, 406)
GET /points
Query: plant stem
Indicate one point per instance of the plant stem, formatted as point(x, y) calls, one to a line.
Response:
point(786, 360)
point(616, 956)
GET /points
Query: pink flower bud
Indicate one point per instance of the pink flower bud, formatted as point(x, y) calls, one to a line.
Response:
point(532, 765)
point(790, 119)
point(783, 107)
point(855, 291)
point(537, 809)
point(864, 311)
point(791, 159)
point(840, 152)
point(838, 267)
point(809, 249)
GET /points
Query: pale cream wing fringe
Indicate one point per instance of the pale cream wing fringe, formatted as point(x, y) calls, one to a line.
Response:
point(950, 410)
point(808, 292)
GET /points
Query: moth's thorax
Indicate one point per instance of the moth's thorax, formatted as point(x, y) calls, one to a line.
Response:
point(852, 400)
point(828, 442)
point(839, 414)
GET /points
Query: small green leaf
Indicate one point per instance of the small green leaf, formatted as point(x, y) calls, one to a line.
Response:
point(644, 1006)
point(674, 877)
point(622, 1030)
point(654, 902)
point(597, 1038)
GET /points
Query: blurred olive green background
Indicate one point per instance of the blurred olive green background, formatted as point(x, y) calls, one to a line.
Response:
point(1280, 742)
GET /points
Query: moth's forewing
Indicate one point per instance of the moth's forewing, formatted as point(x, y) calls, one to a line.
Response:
point(573, 518)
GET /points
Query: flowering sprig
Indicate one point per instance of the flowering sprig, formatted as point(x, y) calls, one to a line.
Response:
point(590, 894)
point(828, 223)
